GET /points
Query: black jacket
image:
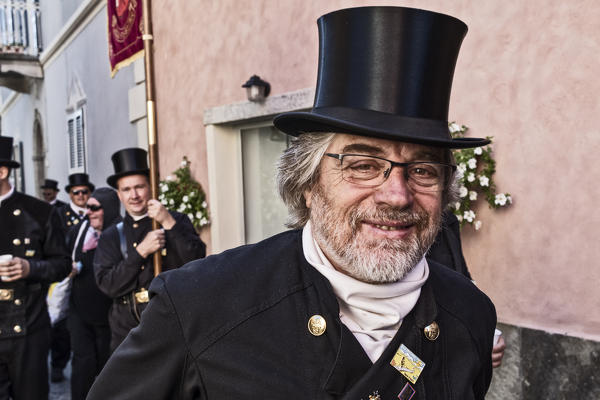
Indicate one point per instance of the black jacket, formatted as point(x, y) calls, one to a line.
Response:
point(118, 277)
point(447, 248)
point(30, 229)
point(234, 326)
point(90, 304)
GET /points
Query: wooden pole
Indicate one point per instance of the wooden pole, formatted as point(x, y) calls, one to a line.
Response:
point(151, 115)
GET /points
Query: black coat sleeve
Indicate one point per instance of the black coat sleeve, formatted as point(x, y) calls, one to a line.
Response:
point(56, 262)
point(115, 276)
point(183, 241)
point(154, 361)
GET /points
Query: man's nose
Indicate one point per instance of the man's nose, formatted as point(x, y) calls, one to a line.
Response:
point(395, 190)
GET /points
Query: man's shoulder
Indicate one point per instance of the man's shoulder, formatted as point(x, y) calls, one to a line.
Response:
point(231, 283)
point(32, 205)
point(243, 263)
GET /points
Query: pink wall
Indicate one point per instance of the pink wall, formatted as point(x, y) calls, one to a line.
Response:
point(527, 75)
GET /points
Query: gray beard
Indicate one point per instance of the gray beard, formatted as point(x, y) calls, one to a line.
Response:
point(372, 261)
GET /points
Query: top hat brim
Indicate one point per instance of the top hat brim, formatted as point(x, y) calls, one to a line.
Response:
point(113, 179)
point(9, 163)
point(88, 184)
point(373, 124)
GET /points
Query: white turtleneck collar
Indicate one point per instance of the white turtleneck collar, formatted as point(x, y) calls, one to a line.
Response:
point(79, 210)
point(372, 312)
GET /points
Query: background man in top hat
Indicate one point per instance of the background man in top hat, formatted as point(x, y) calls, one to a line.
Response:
point(123, 259)
point(50, 191)
point(34, 254)
point(79, 189)
point(347, 307)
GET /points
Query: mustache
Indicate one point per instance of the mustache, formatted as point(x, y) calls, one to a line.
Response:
point(388, 214)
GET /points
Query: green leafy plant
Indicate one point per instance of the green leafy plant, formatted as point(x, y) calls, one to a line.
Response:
point(184, 194)
point(475, 170)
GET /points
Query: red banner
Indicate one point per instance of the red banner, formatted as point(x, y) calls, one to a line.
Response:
point(125, 28)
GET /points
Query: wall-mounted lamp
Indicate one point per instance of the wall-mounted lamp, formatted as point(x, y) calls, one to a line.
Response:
point(256, 88)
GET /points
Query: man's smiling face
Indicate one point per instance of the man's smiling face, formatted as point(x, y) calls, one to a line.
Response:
point(374, 234)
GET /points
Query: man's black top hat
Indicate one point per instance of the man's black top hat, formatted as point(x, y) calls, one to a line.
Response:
point(6, 151)
point(50, 184)
point(79, 180)
point(132, 161)
point(384, 72)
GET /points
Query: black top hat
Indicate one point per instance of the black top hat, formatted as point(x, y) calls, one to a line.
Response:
point(6, 151)
point(384, 72)
point(50, 184)
point(132, 161)
point(79, 180)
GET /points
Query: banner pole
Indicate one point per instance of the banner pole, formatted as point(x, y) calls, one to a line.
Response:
point(151, 116)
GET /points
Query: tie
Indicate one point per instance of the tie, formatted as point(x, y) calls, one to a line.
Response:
point(91, 243)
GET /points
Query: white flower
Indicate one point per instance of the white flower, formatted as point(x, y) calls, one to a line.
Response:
point(477, 225)
point(203, 221)
point(454, 127)
point(457, 205)
point(462, 192)
point(484, 180)
point(185, 199)
point(170, 178)
point(461, 168)
point(164, 202)
point(500, 199)
point(473, 195)
point(181, 208)
point(478, 151)
point(198, 215)
point(191, 216)
point(471, 177)
point(183, 164)
point(459, 218)
point(171, 202)
point(472, 163)
point(204, 204)
point(469, 216)
point(164, 187)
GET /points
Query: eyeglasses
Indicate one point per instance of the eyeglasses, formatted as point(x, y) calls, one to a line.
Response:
point(80, 191)
point(372, 171)
point(93, 207)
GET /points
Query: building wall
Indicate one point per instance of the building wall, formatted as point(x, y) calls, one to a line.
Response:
point(526, 75)
point(81, 60)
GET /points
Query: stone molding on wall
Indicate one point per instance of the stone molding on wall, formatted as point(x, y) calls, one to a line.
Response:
point(247, 111)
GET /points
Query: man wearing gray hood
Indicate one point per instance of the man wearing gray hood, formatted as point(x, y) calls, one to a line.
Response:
point(88, 319)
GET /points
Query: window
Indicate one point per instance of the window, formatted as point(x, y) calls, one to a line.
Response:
point(241, 148)
point(264, 211)
point(76, 132)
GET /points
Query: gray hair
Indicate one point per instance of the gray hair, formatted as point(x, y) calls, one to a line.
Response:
point(298, 171)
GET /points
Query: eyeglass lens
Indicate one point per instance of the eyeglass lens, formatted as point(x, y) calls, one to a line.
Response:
point(371, 171)
point(93, 207)
point(81, 191)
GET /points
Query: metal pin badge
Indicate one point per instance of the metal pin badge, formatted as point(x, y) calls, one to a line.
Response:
point(317, 325)
point(432, 331)
point(27, 241)
point(17, 212)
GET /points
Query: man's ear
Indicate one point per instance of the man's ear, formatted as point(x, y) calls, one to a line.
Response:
point(4, 172)
point(308, 197)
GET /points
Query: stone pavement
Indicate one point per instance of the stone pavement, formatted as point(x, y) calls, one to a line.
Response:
point(62, 390)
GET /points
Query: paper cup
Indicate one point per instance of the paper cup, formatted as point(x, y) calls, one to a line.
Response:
point(497, 334)
point(4, 260)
